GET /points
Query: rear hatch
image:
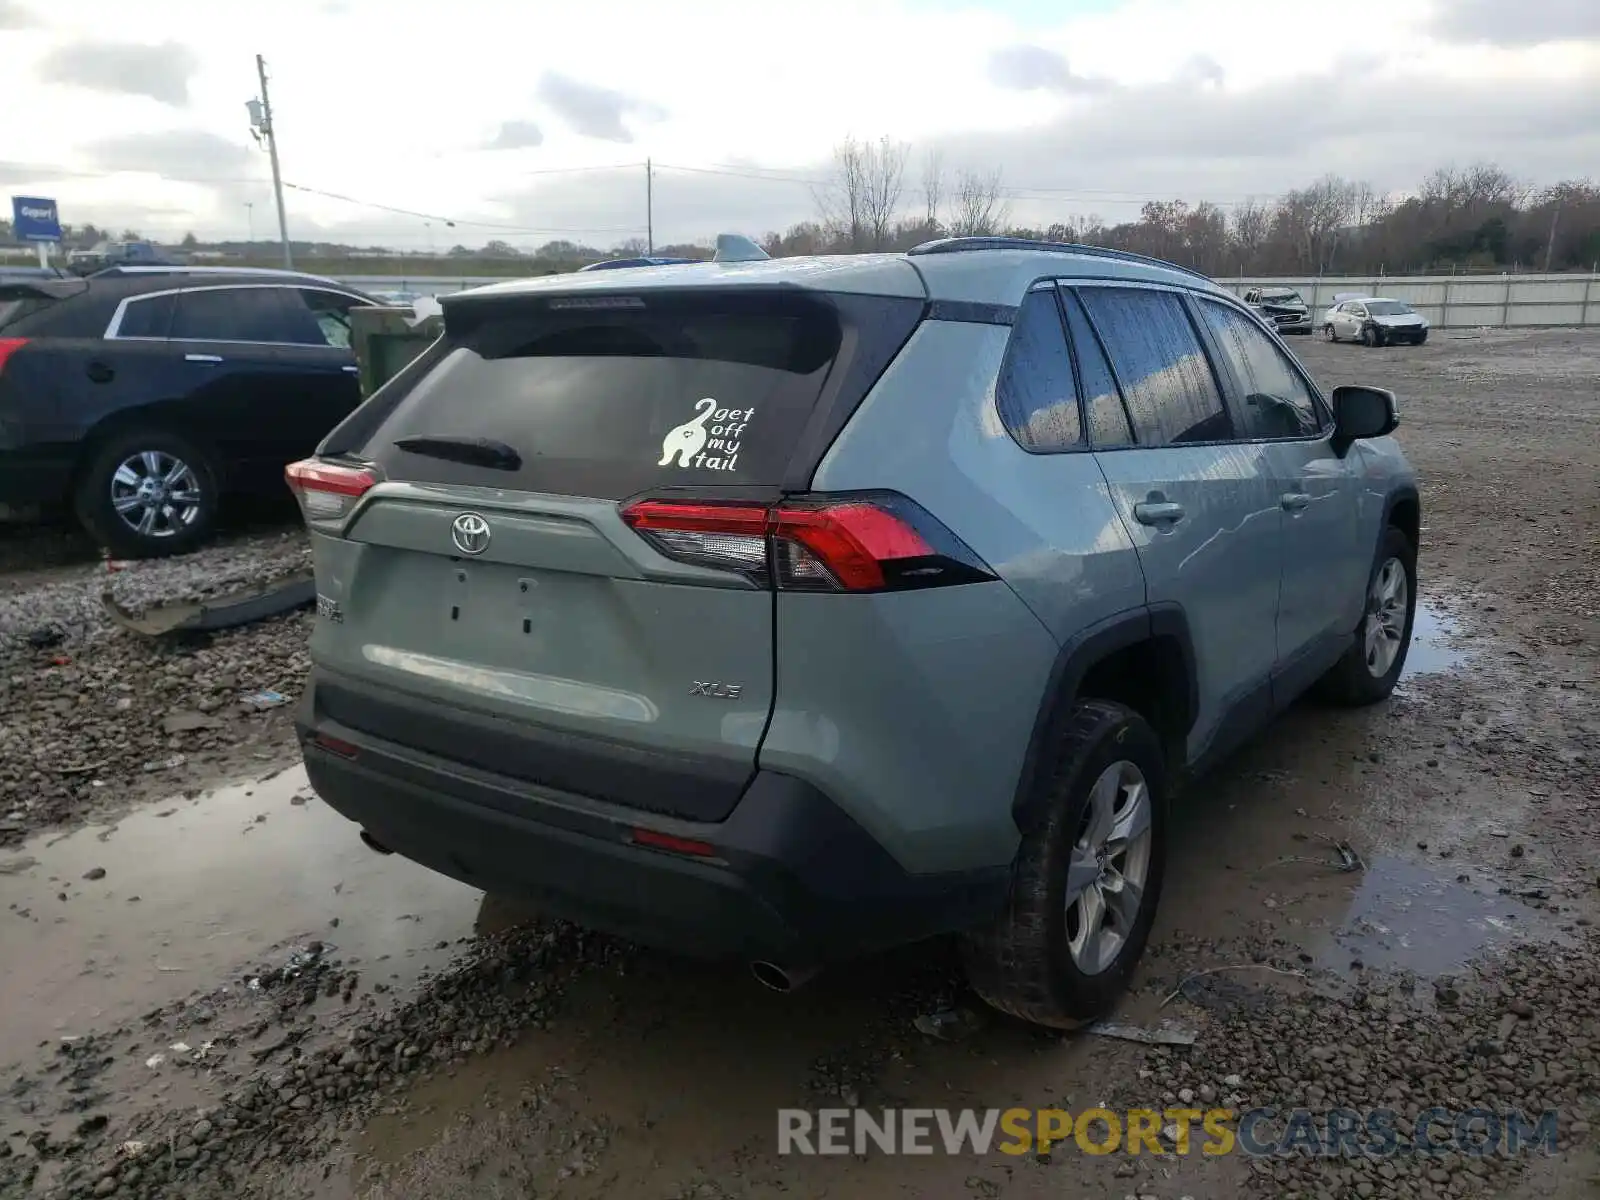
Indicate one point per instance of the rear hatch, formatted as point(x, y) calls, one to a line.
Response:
point(488, 580)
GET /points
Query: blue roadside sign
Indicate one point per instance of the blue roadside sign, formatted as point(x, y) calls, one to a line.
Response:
point(35, 219)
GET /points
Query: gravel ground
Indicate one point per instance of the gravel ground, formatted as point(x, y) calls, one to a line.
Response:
point(1458, 967)
point(98, 718)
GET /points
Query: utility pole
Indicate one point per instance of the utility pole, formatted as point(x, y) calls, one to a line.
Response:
point(261, 118)
point(649, 208)
point(1550, 246)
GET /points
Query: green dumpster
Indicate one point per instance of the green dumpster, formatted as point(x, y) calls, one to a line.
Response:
point(386, 338)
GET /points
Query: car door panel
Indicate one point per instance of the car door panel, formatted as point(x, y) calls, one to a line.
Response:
point(320, 389)
point(322, 386)
point(225, 393)
point(229, 339)
point(1204, 519)
point(1279, 411)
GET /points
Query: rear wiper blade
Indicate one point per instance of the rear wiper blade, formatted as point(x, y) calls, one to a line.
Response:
point(474, 451)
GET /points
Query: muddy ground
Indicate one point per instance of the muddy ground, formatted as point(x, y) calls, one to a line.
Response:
point(225, 994)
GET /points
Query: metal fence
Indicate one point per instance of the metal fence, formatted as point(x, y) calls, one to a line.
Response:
point(1459, 301)
point(1516, 301)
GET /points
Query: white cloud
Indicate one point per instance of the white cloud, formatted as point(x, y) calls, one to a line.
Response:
point(517, 135)
point(124, 68)
point(383, 100)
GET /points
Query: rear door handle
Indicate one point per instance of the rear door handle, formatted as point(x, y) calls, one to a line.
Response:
point(351, 370)
point(1294, 501)
point(207, 358)
point(1157, 512)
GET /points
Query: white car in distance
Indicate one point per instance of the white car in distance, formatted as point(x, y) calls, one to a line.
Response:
point(1374, 321)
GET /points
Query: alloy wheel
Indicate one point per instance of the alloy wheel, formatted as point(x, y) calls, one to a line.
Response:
point(156, 494)
point(1385, 627)
point(1108, 867)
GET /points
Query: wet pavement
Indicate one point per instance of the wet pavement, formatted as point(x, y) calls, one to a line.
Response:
point(184, 897)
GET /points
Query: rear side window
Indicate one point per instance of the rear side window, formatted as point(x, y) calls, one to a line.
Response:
point(246, 314)
point(13, 311)
point(1165, 375)
point(1276, 401)
point(1036, 394)
point(148, 317)
point(689, 389)
point(1108, 419)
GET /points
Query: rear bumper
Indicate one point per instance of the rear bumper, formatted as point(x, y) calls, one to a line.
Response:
point(793, 879)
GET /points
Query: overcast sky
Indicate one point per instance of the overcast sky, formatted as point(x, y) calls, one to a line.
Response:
point(499, 115)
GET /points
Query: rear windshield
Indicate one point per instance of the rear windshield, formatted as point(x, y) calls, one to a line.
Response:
point(608, 402)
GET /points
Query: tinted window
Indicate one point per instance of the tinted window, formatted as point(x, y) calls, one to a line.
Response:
point(150, 317)
point(244, 314)
point(699, 390)
point(13, 311)
point(1276, 401)
point(1108, 420)
point(1389, 308)
point(1165, 376)
point(1037, 397)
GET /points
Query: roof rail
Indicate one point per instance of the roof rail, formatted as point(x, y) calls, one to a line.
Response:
point(163, 269)
point(955, 245)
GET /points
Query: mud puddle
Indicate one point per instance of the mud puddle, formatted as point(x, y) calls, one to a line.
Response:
point(177, 899)
point(1403, 916)
point(1435, 643)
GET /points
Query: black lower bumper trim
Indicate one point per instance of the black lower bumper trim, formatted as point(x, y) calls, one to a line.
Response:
point(793, 879)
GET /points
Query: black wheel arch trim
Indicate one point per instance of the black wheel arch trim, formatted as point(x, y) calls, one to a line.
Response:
point(1405, 494)
point(1076, 657)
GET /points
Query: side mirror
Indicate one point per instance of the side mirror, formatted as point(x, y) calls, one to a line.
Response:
point(1362, 412)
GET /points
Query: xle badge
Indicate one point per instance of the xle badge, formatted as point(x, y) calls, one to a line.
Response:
point(717, 691)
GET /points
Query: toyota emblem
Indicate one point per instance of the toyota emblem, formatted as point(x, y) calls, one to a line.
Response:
point(470, 533)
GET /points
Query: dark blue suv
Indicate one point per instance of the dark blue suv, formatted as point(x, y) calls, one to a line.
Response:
point(140, 395)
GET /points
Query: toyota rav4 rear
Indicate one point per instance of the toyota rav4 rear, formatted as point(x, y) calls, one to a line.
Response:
point(571, 572)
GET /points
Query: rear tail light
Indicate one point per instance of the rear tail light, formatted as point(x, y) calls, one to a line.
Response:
point(327, 491)
point(8, 347)
point(871, 542)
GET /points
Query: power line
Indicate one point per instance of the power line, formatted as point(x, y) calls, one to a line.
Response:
point(454, 221)
point(1042, 193)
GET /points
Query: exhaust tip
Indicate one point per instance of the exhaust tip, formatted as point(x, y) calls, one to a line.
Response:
point(780, 979)
point(374, 844)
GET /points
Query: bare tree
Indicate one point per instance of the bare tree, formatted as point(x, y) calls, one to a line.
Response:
point(979, 208)
point(860, 200)
point(1252, 227)
point(1205, 238)
point(886, 174)
point(932, 187)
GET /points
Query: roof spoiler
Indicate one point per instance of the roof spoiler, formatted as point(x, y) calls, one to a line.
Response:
point(733, 247)
point(40, 289)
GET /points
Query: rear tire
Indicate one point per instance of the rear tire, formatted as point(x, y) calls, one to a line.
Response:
point(1372, 664)
point(1086, 878)
point(148, 494)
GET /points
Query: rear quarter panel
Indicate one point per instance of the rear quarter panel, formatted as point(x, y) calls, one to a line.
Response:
point(914, 710)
